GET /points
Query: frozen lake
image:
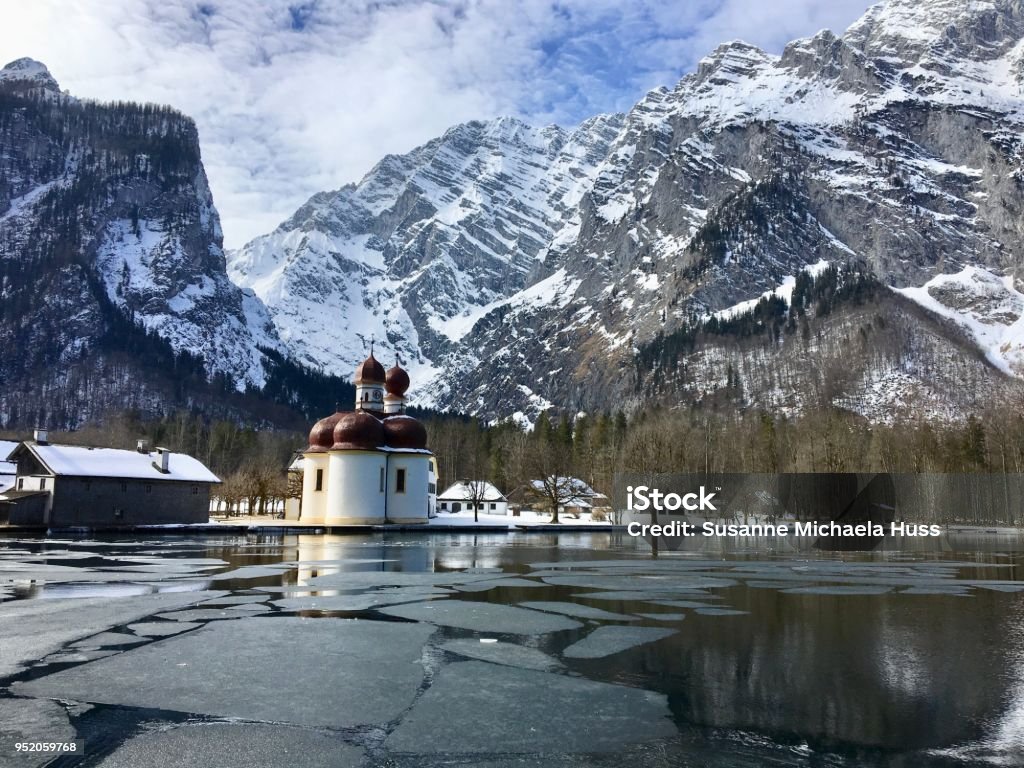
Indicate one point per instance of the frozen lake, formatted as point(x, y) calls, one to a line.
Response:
point(510, 650)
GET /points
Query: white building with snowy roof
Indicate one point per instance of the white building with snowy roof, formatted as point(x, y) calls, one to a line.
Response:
point(8, 470)
point(67, 486)
point(460, 497)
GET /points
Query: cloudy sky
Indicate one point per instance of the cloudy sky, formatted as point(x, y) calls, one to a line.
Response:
point(297, 96)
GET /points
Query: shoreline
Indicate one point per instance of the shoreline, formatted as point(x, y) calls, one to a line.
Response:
point(290, 528)
point(315, 530)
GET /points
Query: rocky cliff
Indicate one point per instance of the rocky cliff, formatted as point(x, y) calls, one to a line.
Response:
point(523, 268)
point(112, 272)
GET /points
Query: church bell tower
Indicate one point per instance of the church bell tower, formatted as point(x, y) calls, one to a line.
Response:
point(369, 380)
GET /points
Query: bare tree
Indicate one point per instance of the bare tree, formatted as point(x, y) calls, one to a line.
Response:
point(476, 494)
point(557, 491)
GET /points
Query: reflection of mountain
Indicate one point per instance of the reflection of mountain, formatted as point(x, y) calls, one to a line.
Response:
point(841, 671)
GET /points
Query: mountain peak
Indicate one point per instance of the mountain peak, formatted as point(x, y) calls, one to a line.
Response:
point(735, 58)
point(905, 29)
point(31, 72)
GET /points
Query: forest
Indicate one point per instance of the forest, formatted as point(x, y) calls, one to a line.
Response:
point(253, 462)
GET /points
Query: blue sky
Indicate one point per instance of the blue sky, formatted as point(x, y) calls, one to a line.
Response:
point(296, 96)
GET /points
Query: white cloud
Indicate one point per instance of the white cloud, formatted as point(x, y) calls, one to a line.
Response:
point(296, 96)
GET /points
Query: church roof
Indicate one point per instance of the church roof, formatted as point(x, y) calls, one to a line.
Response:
point(358, 431)
point(397, 381)
point(402, 431)
point(370, 371)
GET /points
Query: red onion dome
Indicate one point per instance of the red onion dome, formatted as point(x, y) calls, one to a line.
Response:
point(321, 436)
point(403, 431)
point(358, 431)
point(370, 371)
point(396, 381)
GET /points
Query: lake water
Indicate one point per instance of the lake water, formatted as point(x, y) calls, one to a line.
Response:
point(511, 650)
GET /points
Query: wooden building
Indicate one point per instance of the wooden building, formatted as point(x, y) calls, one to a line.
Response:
point(66, 486)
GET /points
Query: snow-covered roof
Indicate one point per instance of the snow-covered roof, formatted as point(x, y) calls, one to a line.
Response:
point(81, 461)
point(7, 467)
point(463, 491)
point(581, 492)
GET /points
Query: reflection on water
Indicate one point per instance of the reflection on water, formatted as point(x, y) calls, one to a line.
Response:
point(903, 656)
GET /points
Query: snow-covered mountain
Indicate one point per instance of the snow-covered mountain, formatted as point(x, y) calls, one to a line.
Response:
point(842, 224)
point(110, 247)
point(521, 268)
point(464, 221)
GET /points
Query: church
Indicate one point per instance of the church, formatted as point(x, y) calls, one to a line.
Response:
point(371, 465)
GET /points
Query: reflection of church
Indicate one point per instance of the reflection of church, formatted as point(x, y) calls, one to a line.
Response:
point(370, 465)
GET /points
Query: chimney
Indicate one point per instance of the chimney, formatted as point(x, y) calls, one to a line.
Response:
point(40, 436)
point(162, 464)
point(142, 446)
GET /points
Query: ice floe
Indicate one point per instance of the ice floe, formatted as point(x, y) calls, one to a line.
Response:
point(493, 707)
point(604, 641)
point(483, 617)
point(250, 669)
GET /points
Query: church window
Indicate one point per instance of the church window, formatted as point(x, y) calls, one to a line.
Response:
point(400, 481)
point(319, 480)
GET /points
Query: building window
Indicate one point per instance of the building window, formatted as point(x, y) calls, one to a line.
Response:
point(319, 480)
point(42, 484)
point(444, 505)
point(431, 488)
point(149, 488)
point(195, 490)
point(493, 505)
point(400, 481)
point(21, 483)
point(382, 478)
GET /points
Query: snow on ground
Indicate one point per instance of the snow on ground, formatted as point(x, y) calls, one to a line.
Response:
point(526, 518)
point(783, 291)
point(556, 290)
point(21, 206)
point(986, 306)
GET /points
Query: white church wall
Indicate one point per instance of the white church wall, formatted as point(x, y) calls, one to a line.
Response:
point(411, 506)
point(314, 502)
point(355, 496)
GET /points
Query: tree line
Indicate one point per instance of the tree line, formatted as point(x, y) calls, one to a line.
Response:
point(253, 462)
